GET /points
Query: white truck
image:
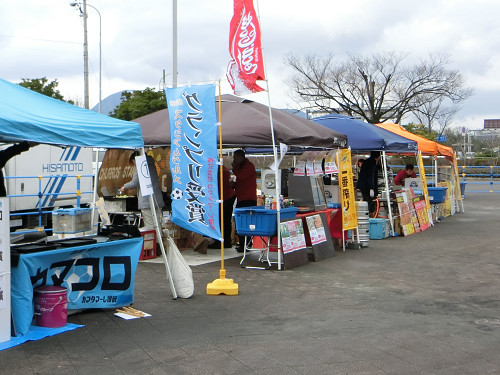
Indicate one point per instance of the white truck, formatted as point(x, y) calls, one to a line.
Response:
point(44, 178)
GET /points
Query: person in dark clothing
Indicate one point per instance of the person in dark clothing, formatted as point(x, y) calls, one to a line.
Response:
point(6, 155)
point(368, 179)
point(245, 185)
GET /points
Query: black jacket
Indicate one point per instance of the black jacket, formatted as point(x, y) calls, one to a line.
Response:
point(368, 176)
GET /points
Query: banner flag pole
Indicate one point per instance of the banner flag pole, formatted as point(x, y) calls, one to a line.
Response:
point(221, 285)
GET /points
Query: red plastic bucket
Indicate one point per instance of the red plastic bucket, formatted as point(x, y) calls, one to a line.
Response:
point(51, 306)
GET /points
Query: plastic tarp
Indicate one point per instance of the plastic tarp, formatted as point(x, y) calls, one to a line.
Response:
point(426, 146)
point(367, 137)
point(246, 123)
point(26, 115)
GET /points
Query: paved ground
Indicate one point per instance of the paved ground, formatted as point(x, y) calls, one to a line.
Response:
point(425, 304)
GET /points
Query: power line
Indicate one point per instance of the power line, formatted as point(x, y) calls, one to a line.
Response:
point(38, 39)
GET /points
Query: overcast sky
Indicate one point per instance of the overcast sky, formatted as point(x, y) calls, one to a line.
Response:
point(45, 38)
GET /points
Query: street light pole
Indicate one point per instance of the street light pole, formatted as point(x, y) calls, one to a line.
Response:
point(83, 13)
point(174, 43)
point(100, 56)
point(85, 58)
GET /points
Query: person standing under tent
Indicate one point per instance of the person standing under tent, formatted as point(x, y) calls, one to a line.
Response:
point(245, 185)
point(368, 179)
point(359, 163)
point(400, 178)
point(143, 202)
point(6, 155)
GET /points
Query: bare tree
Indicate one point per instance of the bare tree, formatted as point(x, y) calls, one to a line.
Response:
point(435, 113)
point(377, 88)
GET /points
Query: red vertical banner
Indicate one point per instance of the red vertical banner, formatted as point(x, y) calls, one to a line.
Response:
point(245, 47)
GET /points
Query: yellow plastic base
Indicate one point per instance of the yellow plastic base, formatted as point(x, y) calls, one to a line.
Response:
point(222, 286)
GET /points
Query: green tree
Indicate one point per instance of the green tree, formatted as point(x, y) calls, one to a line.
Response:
point(139, 103)
point(43, 86)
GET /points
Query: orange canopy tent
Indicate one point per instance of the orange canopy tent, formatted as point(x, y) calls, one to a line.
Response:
point(425, 146)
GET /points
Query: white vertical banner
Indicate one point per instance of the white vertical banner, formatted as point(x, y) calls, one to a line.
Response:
point(4, 289)
point(4, 235)
point(144, 176)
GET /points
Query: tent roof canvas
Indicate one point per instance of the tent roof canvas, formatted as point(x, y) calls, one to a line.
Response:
point(366, 137)
point(426, 146)
point(246, 123)
point(26, 115)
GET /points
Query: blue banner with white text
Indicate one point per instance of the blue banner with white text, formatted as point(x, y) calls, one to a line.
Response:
point(98, 275)
point(193, 158)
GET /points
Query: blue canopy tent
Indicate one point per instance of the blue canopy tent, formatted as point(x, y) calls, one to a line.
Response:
point(26, 115)
point(362, 136)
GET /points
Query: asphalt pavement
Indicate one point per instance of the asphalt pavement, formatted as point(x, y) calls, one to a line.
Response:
point(428, 303)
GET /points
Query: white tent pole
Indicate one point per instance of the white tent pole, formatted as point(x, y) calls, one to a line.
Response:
point(277, 179)
point(435, 171)
point(160, 239)
point(388, 195)
point(94, 195)
point(275, 154)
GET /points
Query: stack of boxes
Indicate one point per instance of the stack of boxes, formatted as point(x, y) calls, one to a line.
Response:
point(363, 235)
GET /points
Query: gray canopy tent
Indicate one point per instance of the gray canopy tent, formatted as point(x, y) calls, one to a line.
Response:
point(245, 123)
point(248, 124)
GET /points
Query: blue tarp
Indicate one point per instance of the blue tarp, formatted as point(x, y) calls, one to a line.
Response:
point(26, 115)
point(362, 136)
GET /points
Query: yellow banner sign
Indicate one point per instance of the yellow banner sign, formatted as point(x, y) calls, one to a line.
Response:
point(346, 186)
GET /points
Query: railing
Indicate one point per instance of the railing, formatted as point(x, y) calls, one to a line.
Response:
point(490, 175)
point(486, 179)
point(56, 196)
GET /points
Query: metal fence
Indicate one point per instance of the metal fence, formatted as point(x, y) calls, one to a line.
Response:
point(481, 179)
point(40, 212)
point(477, 178)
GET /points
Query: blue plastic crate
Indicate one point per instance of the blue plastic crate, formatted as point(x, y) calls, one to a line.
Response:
point(378, 229)
point(437, 194)
point(259, 221)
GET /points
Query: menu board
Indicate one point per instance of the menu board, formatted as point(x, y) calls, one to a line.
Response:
point(292, 236)
point(421, 210)
point(300, 168)
point(405, 207)
point(316, 229)
point(330, 165)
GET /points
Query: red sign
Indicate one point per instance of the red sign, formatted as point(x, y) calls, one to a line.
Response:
point(245, 47)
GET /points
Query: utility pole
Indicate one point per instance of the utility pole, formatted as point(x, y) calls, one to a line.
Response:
point(85, 58)
point(174, 43)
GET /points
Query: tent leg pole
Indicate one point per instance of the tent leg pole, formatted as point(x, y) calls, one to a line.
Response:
point(160, 240)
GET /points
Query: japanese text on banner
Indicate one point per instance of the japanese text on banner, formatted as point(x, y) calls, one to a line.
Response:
point(193, 158)
point(247, 63)
point(346, 185)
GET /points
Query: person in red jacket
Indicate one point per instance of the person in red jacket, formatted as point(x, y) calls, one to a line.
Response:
point(400, 178)
point(245, 185)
